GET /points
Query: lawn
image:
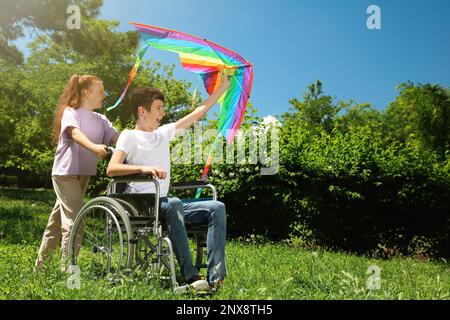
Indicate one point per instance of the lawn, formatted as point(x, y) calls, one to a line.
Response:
point(256, 270)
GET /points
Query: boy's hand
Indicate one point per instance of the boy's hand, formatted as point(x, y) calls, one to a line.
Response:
point(200, 112)
point(155, 171)
point(225, 80)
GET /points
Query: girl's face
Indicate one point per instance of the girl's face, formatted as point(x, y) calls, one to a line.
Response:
point(151, 120)
point(95, 95)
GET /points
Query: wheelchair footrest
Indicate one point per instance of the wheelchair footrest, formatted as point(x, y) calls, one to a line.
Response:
point(141, 221)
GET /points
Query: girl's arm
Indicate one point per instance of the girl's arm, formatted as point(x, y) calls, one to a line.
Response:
point(201, 111)
point(116, 167)
point(115, 137)
point(79, 137)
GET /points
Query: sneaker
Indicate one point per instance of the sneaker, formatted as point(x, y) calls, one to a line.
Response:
point(198, 284)
point(217, 284)
point(38, 265)
point(193, 279)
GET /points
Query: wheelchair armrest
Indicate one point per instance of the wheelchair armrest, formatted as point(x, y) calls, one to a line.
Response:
point(194, 185)
point(189, 184)
point(133, 178)
point(120, 180)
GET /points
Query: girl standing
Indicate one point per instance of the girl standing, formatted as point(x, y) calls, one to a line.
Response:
point(82, 136)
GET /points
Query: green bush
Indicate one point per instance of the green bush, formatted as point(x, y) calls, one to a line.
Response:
point(349, 187)
point(8, 180)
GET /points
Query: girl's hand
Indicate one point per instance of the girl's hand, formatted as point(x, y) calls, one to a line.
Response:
point(155, 171)
point(101, 151)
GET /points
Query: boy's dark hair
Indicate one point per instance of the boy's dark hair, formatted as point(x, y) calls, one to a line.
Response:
point(144, 96)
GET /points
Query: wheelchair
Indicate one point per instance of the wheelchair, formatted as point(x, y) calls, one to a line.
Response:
point(124, 233)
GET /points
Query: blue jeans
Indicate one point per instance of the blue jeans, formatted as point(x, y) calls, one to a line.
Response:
point(202, 212)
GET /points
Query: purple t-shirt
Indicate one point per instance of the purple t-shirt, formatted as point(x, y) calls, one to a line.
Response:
point(70, 157)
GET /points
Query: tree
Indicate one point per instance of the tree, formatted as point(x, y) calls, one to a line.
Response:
point(421, 115)
point(36, 16)
point(29, 96)
point(317, 110)
point(360, 115)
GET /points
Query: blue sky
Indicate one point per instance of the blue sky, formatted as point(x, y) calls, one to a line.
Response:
point(293, 43)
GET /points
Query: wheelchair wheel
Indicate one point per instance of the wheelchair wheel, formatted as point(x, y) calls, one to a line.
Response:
point(106, 239)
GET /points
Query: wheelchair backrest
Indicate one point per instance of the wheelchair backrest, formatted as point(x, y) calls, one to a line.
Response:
point(142, 203)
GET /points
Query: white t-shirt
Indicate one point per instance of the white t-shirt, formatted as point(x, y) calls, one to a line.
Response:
point(144, 148)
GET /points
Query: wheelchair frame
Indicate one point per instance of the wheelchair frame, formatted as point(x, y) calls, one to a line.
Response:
point(130, 240)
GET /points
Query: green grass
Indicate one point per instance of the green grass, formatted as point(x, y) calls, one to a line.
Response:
point(256, 271)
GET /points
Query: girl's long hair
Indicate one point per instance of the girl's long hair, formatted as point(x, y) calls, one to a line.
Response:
point(71, 97)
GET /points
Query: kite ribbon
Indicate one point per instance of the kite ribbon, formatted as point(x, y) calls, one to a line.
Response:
point(194, 95)
point(212, 150)
point(132, 75)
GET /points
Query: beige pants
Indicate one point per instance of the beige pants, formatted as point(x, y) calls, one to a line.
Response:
point(69, 201)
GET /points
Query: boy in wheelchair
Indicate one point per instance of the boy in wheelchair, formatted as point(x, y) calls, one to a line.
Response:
point(146, 150)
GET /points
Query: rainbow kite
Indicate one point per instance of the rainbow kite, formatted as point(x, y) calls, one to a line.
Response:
point(207, 59)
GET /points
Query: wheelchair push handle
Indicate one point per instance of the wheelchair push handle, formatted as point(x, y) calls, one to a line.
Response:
point(110, 151)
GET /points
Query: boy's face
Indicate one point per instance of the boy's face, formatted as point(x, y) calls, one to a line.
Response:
point(152, 119)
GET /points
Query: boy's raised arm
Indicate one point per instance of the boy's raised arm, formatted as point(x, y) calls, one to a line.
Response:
point(201, 111)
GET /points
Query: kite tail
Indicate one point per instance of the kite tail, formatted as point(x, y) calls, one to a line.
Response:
point(208, 162)
point(194, 95)
point(193, 99)
point(132, 75)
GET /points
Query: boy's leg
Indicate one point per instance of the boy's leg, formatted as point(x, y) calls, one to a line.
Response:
point(214, 214)
point(172, 211)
